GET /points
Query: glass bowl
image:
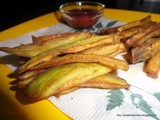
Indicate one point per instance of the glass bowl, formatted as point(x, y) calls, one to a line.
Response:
point(82, 14)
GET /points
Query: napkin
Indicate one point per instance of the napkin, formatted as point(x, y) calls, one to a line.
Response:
point(140, 102)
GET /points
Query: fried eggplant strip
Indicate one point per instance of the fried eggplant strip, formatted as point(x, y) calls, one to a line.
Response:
point(31, 74)
point(107, 81)
point(108, 31)
point(23, 83)
point(90, 43)
point(153, 66)
point(77, 47)
point(153, 34)
point(140, 38)
point(87, 58)
point(43, 38)
point(130, 25)
point(48, 82)
point(135, 23)
point(106, 49)
point(33, 49)
point(68, 48)
point(103, 50)
point(144, 52)
point(128, 33)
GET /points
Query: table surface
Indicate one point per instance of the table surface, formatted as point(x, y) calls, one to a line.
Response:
point(10, 107)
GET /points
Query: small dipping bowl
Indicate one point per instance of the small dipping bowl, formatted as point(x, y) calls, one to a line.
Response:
point(82, 14)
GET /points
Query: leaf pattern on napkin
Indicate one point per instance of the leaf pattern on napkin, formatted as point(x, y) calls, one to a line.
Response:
point(157, 95)
point(115, 99)
point(96, 27)
point(99, 25)
point(139, 102)
point(111, 23)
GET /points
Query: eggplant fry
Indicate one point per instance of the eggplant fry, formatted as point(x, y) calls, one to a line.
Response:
point(76, 47)
point(108, 31)
point(107, 81)
point(29, 74)
point(68, 48)
point(141, 37)
point(143, 53)
point(128, 33)
point(44, 38)
point(63, 76)
point(135, 23)
point(125, 27)
point(152, 67)
point(106, 49)
point(153, 34)
point(23, 83)
point(33, 49)
point(90, 43)
point(86, 58)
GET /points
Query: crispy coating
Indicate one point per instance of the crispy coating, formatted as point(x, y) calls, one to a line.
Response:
point(33, 49)
point(143, 53)
point(84, 58)
point(47, 83)
point(68, 48)
point(106, 81)
point(152, 67)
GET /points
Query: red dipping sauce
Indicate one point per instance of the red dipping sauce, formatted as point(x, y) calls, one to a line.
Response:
point(81, 14)
point(81, 18)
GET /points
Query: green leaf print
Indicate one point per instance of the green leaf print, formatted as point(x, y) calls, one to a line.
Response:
point(157, 95)
point(115, 99)
point(140, 103)
point(111, 23)
point(99, 25)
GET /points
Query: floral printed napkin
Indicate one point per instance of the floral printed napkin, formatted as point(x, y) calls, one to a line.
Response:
point(140, 102)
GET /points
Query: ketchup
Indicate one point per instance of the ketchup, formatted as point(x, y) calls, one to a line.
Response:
point(82, 18)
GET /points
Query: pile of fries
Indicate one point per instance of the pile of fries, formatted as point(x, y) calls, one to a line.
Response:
point(143, 46)
point(57, 64)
